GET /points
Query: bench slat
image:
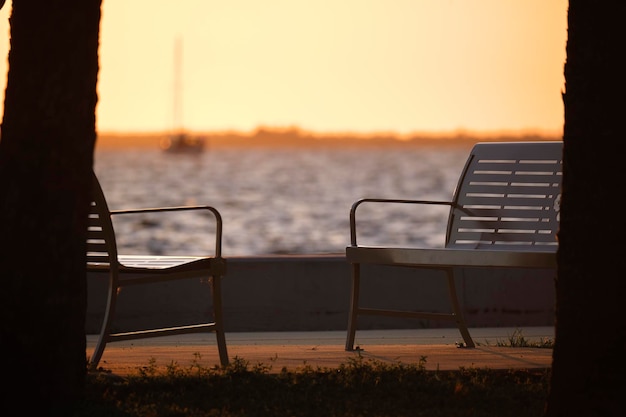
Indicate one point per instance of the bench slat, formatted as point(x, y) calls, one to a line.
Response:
point(506, 176)
point(449, 257)
point(530, 224)
point(512, 188)
point(510, 211)
point(538, 167)
point(523, 201)
point(487, 238)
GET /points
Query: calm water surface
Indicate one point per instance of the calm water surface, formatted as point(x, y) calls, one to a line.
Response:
point(277, 201)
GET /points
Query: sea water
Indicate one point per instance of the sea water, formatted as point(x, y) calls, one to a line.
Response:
point(278, 201)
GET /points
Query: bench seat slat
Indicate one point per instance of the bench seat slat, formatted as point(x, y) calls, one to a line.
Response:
point(437, 258)
point(157, 262)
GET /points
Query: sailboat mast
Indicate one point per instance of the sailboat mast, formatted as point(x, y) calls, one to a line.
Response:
point(178, 86)
point(179, 141)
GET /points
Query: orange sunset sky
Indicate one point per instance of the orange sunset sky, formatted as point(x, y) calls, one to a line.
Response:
point(364, 66)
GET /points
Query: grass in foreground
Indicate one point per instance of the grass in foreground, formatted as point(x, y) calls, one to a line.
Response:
point(517, 339)
point(357, 388)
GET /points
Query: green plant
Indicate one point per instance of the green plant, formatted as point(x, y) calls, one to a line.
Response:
point(517, 339)
point(357, 388)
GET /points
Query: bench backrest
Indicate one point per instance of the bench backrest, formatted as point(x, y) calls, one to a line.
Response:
point(508, 197)
point(101, 245)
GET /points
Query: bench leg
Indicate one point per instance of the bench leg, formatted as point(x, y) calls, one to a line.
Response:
point(106, 325)
point(458, 313)
point(216, 289)
point(354, 306)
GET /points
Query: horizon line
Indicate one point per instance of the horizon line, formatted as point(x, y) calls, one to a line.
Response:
point(459, 132)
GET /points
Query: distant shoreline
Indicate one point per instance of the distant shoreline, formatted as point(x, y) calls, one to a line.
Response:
point(294, 138)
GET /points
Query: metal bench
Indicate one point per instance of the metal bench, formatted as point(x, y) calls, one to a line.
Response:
point(127, 270)
point(504, 214)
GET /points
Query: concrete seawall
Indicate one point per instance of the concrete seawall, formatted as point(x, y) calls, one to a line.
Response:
point(312, 293)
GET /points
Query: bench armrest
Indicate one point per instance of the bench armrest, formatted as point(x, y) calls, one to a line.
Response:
point(386, 201)
point(214, 211)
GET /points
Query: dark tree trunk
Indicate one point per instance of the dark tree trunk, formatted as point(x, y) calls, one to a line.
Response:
point(46, 156)
point(589, 362)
